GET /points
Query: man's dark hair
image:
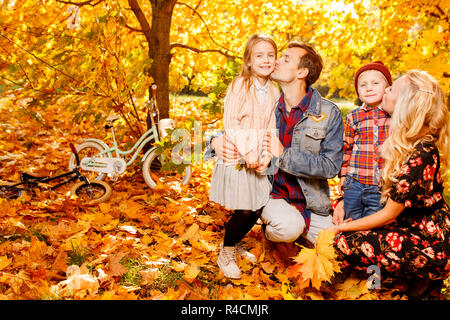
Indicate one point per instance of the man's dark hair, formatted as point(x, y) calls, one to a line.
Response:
point(310, 60)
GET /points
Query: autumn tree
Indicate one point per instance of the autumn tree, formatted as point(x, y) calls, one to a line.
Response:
point(64, 67)
point(100, 56)
point(155, 28)
point(403, 34)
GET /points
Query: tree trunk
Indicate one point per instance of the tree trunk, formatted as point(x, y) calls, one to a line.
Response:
point(158, 40)
point(159, 52)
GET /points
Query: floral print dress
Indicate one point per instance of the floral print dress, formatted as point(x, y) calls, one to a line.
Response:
point(418, 242)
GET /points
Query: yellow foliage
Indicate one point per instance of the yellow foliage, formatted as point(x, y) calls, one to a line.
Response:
point(57, 82)
point(313, 266)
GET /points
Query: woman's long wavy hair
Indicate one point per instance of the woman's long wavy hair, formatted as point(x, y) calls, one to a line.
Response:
point(420, 114)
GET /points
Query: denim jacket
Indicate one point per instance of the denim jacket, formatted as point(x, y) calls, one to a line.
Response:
point(315, 154)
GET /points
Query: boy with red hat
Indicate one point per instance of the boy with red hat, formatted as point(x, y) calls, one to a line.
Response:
point(366, 128)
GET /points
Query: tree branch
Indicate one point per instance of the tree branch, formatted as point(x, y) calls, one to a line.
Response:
point(21, 68)
point(206, 26)
point(39, 59)
point(439, 9)
point(131, 28)
point(81, 4)
point(180, 45)
point(143, 22)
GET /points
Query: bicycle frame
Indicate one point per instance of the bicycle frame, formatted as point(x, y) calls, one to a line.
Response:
point(110, 160)
point(149, 135)
point(74, 175)
point(31, 181)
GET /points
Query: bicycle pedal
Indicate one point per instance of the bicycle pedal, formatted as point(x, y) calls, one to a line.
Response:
point(113, 177)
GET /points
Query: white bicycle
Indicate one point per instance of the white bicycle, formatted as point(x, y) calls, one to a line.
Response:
point(97, 157)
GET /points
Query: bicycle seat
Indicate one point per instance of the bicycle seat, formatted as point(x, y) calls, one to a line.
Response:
point(112, 117)
point(27, 176)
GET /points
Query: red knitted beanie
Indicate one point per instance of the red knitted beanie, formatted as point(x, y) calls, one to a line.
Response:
point(376, 65)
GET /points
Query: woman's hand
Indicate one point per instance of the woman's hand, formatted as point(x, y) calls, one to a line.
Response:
point(337, 228)
point(378, 219)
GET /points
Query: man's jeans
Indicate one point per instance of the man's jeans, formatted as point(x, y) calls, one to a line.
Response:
point(360, 200)
point(284, 223)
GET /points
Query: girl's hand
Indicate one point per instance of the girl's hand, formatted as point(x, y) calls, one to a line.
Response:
point(251, 160)
point(264, 163)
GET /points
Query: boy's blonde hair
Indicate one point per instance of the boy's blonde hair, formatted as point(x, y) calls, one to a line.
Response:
point(420, 114)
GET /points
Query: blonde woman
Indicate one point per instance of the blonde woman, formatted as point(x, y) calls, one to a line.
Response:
point(409, 237)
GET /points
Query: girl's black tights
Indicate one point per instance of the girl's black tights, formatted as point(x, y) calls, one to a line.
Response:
point(240, 223)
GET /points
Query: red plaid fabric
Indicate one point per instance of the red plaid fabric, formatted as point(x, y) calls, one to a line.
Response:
point(285, 186)
point(366, 128)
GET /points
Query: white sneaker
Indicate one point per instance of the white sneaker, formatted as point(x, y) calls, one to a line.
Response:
point(227, 262)
point(240, 250)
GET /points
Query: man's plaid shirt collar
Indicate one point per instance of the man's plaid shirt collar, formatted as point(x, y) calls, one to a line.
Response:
point(303, 105)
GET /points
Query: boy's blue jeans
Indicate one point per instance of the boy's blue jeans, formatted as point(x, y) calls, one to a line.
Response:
point(360, 200)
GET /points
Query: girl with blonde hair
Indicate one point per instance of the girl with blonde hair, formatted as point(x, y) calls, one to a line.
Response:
point(248, 115)
point(410, 236)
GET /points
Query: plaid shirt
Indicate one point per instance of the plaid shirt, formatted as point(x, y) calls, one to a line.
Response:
point(285, 186)
point(366, 129)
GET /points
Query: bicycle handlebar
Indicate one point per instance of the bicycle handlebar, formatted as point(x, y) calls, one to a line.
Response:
point(72, 147)
point(74, 150)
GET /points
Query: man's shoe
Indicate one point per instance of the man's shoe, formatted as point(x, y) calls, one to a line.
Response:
point(227, 262)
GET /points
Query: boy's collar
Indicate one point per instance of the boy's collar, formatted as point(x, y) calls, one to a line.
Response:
point(366, 107)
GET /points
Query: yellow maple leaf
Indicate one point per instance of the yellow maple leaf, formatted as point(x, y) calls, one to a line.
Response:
point(318, 264)
point(105, 207)
point(192, 233)
point(131, 209)
point(4, 262)
point(38, 250)
point(286, 294)
point(191, 272)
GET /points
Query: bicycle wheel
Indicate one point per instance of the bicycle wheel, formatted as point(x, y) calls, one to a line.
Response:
point(153, 173)
point(94, 192)
point(88, 149)
point(9, 192)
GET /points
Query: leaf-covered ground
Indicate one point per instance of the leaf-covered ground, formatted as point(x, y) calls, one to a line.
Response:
point(140, 244)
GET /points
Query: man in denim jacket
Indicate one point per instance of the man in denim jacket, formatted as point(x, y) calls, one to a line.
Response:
point(310, 151)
